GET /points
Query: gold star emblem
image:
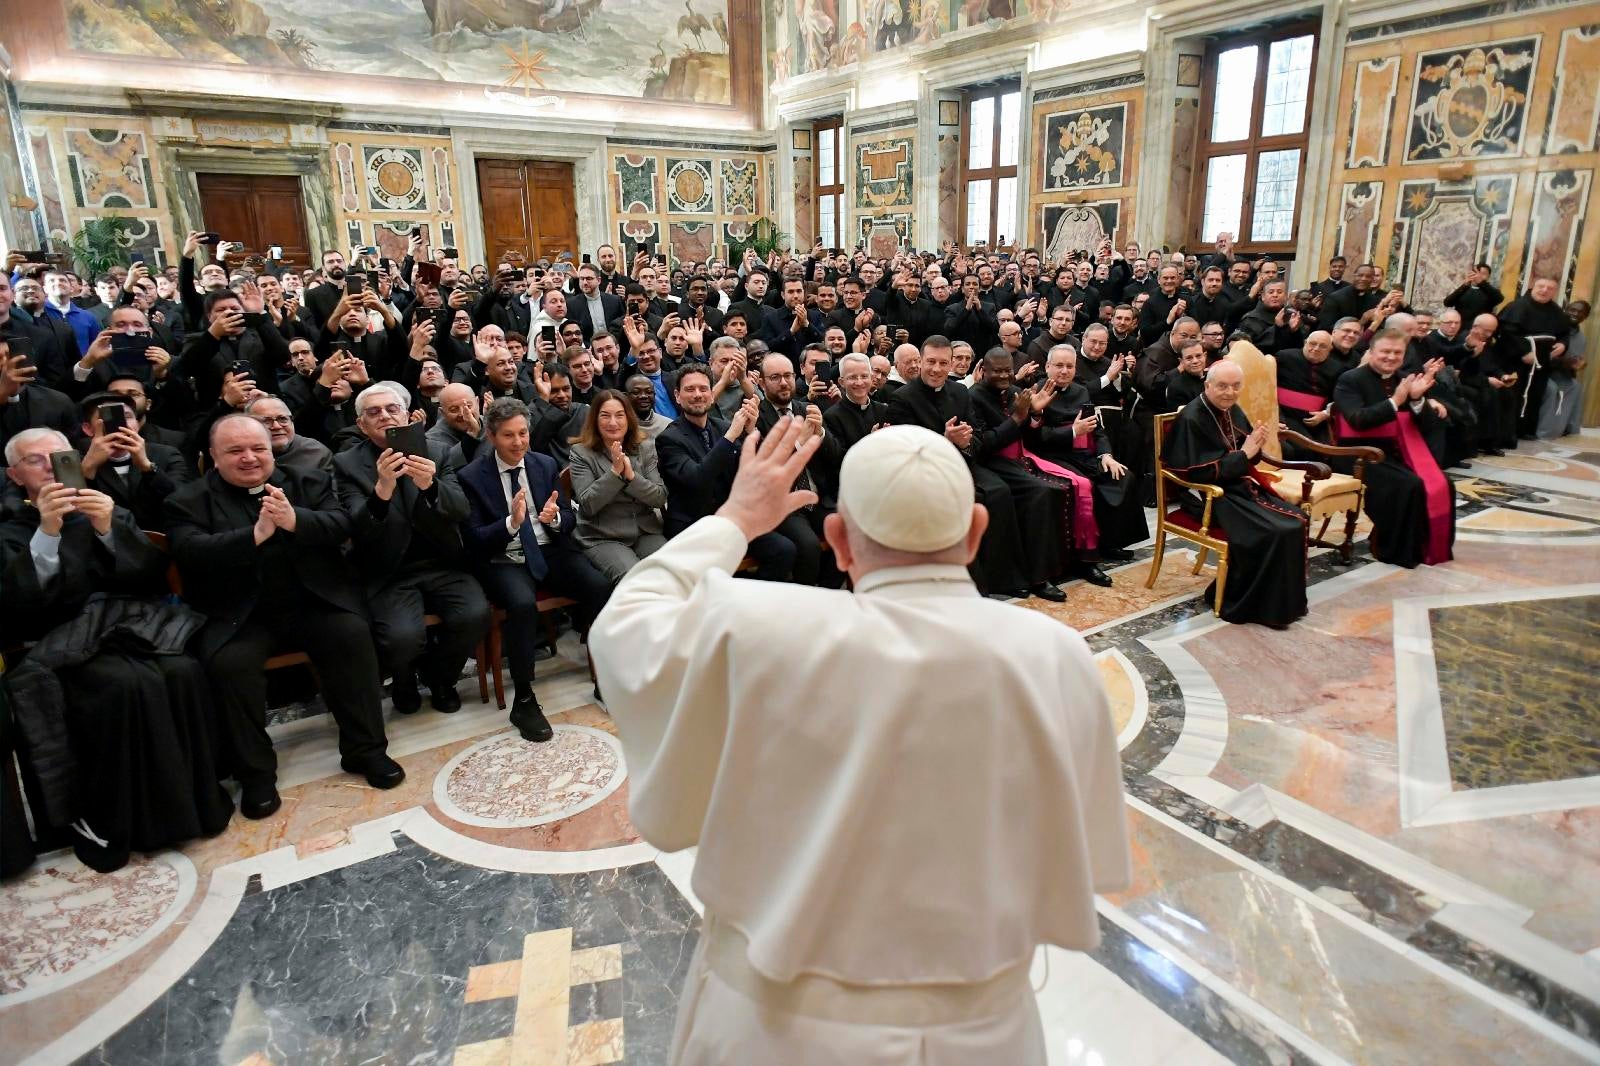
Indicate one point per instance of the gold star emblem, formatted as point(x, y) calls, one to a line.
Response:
point(1417, 200)
point(525, 68)
point(1476, 489)
point(1491, 196)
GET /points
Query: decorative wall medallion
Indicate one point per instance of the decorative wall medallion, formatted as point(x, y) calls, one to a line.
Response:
point(883, 172)
point(1078, 227)
point(689, 188)
point(1555, 226)
point(1083, 147)
point(395, 179)
point(1372, 114)
point(635, 183)
point(1471, 102)
point(109, 168)
point(506, 782)
point(739, 186)
point(1575, 101)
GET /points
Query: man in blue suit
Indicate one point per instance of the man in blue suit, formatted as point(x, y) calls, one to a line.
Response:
point(519, 537)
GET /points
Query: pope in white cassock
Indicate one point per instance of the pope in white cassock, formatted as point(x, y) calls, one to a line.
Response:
point(898, 792)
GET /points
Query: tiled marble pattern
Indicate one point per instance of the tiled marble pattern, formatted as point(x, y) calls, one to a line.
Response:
point(321, 970)
point(508, 782)
point(1517, 689)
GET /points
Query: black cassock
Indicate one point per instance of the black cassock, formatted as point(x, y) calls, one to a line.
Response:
point(1266, 536)
point(1040, 505)
point(139, 725)
point(1003, 563)
point(1304, 388)
point(1118, 510)
point(1527, 324)
point(1409, 500)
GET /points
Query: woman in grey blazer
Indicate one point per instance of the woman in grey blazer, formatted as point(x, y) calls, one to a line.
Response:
point(617, 487)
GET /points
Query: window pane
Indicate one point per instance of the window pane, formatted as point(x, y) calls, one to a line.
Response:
point(980, 134)
point(1277, 182)
point(1288, 79)
point(1005, 215)
point(1010, 128)
point(977, 211)
point(1235, 90)
point(1224, 196)
point(825, 170)
point(825, 220)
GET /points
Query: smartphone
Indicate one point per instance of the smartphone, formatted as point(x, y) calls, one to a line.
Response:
point(442, 319)
point(113, 418)
point(242, 368)
point(585, 257)
point(409, 439)
point(67, 468)
point(367, 249)
point(210, 238)
point(19, 344)
point(127, 350)
point(416, 231)
point(372, 280)
point(354, 284)
point(33, 255)
point(275, 252)
point(428, 272)
point(449, 253)
point(548, 334)
point(135, 258)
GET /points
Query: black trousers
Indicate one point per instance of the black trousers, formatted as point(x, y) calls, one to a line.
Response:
point(797, 530)
point(775, 556)
point(405, 644)
point(339, 644)
point(512, 588)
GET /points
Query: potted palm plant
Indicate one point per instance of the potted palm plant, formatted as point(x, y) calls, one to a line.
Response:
point(99, 245)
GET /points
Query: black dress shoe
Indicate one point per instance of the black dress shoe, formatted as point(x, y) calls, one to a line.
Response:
point(1120, 555)
point(407, 700)
point(259, 799)
point(445, 699)
point(528, 717)
point(379, 770)
point(1049, 592)
point(1493, 451)
point(1093, 575)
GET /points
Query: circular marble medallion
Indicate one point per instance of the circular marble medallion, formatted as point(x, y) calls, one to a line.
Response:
point(62, 922)
point(1532, 463)
point(507, 782)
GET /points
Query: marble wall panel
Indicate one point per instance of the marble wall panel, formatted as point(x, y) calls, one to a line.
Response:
point(109, 168)
point(1441, 225)
point(344, 160)
point(44, 168)
point(883, 171)
point(1372, 117)
point(1575, 100)
point(691, 190)
point(886, 234)
point(739, 184)
point(382, 174)
point(949, 187)
point(1555, 226)
point(1359, 208)
point(657, 188)
point(1471, 102)
point(633, 183)
point(394, 178)
point(1072, 227)
point(803, 200)
point(634, 234)
point(690, 242)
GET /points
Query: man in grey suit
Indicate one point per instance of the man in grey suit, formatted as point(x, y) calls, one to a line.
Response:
point(405, 513)
point(459, 429)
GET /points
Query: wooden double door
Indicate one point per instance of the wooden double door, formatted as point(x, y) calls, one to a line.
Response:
point(257, 211)
point(529, 206)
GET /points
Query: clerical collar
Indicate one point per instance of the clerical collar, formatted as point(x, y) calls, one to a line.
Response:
point(258, 490)
point(942, 577)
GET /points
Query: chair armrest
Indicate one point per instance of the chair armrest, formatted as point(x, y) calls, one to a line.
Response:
point(1207, 490)
point(1354, 451)
point(1314, 471)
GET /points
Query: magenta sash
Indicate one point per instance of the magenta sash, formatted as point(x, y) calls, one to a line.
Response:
point(1415, 454)
point(1301, 401)
point(1085, 533)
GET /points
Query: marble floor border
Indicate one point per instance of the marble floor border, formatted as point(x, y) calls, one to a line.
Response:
point(1140, 712)
point(1490, 997)
point(1529, 479)
point(188, 881)
point(1427, 791)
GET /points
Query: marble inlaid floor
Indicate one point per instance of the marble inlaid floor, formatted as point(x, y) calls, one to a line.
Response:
point(1371, 838)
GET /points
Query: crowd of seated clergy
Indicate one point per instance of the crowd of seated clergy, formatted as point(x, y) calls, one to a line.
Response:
point(214, 463)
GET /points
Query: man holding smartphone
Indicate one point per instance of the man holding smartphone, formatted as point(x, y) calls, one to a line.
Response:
point(136, 474)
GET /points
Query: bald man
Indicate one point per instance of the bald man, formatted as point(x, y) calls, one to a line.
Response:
point(1306, 377)
point(459, 429)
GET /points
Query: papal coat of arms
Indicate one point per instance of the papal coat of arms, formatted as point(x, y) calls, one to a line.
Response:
point(1471, 102)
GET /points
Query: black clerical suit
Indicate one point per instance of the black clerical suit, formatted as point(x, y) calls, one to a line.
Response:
point(697, 465)
point(1003, 564)
point(294, 590)
point(136, 718)
point(142, 493)
point(1118, 511)
point(408, 552)
point(1041, 508)
point(803, 528)
point(1411, 522)
point(1266, 580)
point(1304, 388)
point(512, 565)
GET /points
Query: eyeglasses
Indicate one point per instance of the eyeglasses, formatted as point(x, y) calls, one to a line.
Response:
point(393, 409)
point(275, 420)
